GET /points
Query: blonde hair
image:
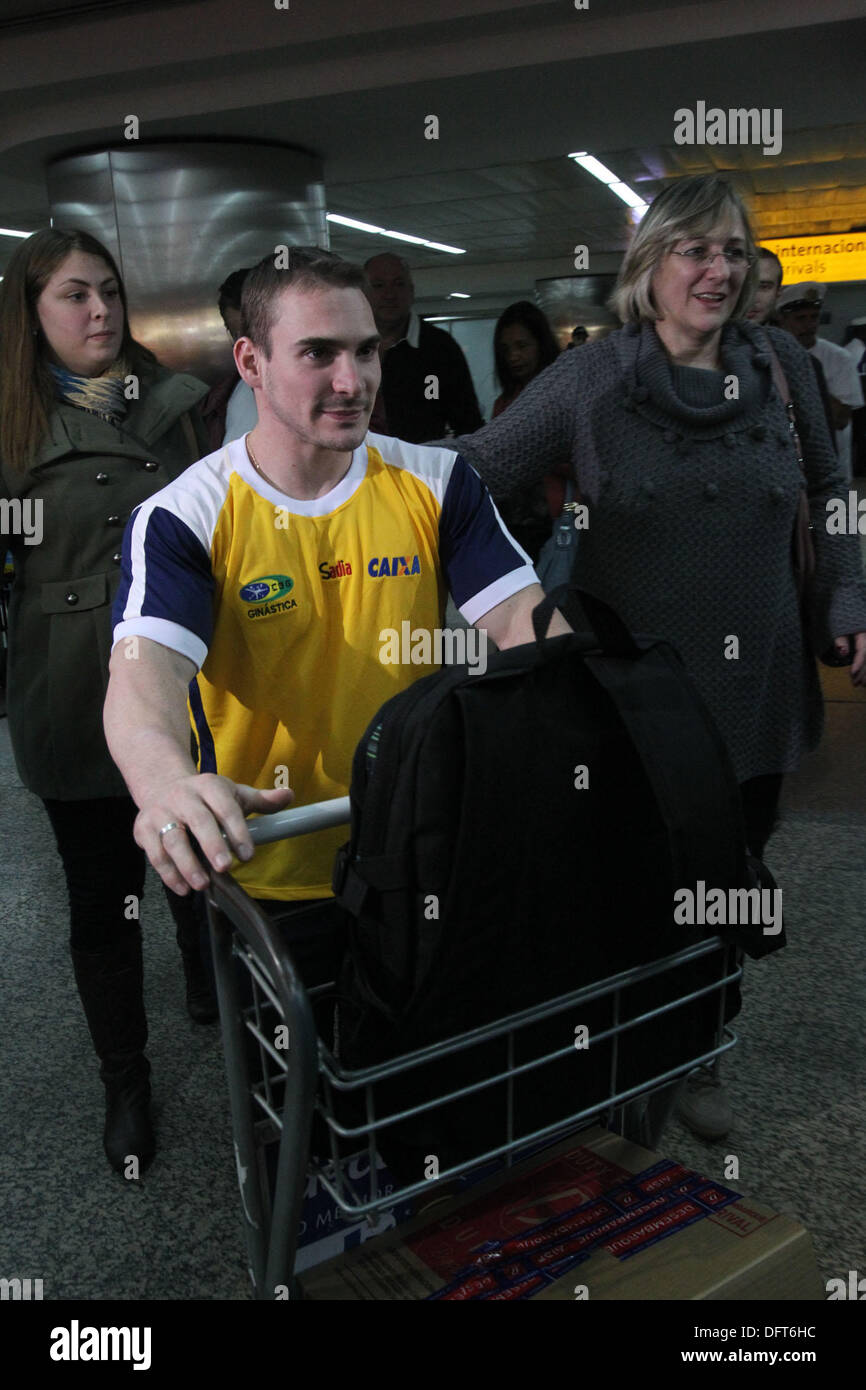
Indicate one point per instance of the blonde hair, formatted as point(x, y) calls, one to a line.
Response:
point(691, 207)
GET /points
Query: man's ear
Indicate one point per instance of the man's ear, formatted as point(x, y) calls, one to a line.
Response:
point(247, 360)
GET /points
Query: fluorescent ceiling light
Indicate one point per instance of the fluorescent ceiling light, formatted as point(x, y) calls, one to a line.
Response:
point(10, 231)
point(397, 236)
point(593, 166)
point(458, 294)
point(627, 194)
point(600, 171)
point(439, 318)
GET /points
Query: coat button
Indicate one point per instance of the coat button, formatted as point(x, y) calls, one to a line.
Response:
point(150, 466)
point(640, 394)
point(711, 490)
point(670, 436)
point(729, 441)
point(759, 432)
point(102, 477)
point(649, 487)
point(761, 359)
point(71, 599)
point(113, 520)
point(116, 557)
point(777, 493)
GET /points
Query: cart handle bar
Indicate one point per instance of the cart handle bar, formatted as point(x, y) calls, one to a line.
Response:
point(299, 820)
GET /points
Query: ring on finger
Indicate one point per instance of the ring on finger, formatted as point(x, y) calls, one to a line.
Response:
point(172, 825)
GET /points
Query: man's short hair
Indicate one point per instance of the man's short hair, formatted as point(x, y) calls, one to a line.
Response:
point(765, 254)
point(309, 268)
point(230, 291)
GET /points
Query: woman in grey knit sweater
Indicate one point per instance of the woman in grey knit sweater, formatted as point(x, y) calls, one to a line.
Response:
point(680, 445)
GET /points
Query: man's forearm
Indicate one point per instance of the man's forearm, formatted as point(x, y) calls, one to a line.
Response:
point(145, 717)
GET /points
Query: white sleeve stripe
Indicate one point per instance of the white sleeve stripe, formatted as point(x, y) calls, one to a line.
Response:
point(501, 589)
point(167, 634)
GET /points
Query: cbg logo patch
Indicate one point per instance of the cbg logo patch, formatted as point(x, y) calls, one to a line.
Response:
point(268, 595)
point(270, 586)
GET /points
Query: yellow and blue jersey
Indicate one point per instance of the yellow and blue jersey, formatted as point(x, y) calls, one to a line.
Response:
point(281, 605)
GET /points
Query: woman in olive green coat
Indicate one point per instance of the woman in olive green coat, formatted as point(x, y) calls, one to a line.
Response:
point(90, 425)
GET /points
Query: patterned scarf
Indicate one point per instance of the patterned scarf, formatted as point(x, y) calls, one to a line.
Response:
point(101, 395)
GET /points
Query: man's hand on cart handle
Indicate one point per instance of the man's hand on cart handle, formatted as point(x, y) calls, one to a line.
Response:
point(210, 808)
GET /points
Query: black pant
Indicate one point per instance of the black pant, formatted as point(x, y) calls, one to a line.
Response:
point(314, 931)
point(759, 797)
point(104, 870)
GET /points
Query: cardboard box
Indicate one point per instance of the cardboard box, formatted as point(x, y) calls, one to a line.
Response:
point(599, 1219)
point(325, 1231)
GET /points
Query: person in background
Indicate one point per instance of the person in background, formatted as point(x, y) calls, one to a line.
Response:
point(763, 310)
point(798, 308)
point(579, 336)
point(692, 495)
point(426, 386)
point(90, 426)
point(523, 345)
point(230, 407)
point(855, 346)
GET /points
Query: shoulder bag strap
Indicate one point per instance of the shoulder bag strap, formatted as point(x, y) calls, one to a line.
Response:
point(781, 383)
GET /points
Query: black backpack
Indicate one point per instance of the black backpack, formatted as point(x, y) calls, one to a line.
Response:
point(516, 835)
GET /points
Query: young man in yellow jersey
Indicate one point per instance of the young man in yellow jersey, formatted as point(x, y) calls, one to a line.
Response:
point(255, 589)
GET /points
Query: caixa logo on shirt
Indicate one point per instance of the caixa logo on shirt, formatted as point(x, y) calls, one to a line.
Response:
point(269, 594)
point(389, 566)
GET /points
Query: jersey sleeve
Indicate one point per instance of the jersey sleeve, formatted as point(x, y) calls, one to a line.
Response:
point(482, 563)
point(166, 585)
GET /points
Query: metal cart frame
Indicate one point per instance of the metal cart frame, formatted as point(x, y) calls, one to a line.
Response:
point(291, 1081)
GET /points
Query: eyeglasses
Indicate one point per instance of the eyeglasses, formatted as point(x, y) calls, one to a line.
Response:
point(736, 258)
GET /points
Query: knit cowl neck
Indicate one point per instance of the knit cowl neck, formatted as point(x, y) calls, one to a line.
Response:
point(653, 377)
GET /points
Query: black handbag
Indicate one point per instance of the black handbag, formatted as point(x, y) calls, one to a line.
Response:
point(556, 557)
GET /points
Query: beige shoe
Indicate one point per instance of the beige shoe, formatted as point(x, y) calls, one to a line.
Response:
point(704, 1104)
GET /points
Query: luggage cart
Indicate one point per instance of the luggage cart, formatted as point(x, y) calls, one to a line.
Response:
point(280, 1072)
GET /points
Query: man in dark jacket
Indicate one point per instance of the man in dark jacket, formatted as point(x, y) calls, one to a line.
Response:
point(426, 387)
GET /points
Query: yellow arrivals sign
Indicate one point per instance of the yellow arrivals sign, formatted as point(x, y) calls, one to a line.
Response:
point(830, 257)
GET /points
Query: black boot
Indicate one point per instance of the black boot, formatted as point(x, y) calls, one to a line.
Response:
point(201, 1002)
point(110, 985)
